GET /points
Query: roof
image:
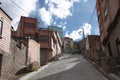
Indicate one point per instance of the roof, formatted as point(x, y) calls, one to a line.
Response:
point(6, 13)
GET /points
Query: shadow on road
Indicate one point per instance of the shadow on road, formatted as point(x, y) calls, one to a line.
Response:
point(77, 69)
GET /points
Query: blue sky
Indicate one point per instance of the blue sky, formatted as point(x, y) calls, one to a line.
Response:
point(71, 15)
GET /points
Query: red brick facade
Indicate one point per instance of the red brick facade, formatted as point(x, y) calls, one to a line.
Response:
point(28, 29)
point(109, 23)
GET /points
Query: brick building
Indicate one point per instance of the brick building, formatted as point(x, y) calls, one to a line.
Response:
point(5, 38)
point(92, 48)
point(28, 29)
point(51, 43)
point(108, 12)
point(93, 42)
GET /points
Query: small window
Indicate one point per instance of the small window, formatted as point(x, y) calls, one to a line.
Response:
point(1, 24)
point(43, 38)
point(26, 24)
point(98, 14)
point(105, 13)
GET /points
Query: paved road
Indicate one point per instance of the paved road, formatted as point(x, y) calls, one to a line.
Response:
point(71, 67)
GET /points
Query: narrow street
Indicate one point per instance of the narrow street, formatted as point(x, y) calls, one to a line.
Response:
point(71, 67)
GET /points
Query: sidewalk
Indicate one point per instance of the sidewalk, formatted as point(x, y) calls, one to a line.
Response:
point(40, 69)
point(33, 73)
point(110, 76)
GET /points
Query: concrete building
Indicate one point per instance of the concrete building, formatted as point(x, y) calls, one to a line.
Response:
point(56, 28)
point(50, 45)
point(108, 12)
point(68, 44)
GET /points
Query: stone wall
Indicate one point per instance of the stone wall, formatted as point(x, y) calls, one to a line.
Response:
point(18, 51)
point(14, 61)
point(6, 66)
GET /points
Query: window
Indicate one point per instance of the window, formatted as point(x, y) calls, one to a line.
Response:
point(105, 13)
point(43, 38)
point(98, 14)
point(26, 24)
point(1, 24)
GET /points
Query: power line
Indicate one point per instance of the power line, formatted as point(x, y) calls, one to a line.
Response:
point(92, 14)
point(18, 6)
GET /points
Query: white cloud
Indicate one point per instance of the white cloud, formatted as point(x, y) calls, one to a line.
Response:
point(15, 12)
point(67, 34)
point(54, 22)
point(63, 25)
point(85, 0)
point(60, 8)
point(64, 28)
point(78, 34)
point(87, 28)
point(45, 16)
point(74, 35)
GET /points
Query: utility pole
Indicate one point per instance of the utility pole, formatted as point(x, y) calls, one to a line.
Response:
point(83, 38)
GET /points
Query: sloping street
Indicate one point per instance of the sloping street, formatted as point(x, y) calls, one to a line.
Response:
point(70, 67)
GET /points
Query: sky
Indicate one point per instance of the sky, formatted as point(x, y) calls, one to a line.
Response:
point(74, 16)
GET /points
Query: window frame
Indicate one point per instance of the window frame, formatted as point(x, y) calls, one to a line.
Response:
point(27, 24)
point(43, 38)
point(1, 27)
point(105, 13)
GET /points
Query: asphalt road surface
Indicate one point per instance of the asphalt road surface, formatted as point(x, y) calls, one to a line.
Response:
point(70, 67)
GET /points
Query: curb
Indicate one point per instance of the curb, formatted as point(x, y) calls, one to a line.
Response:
point(26, 77)
point(104, 73)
